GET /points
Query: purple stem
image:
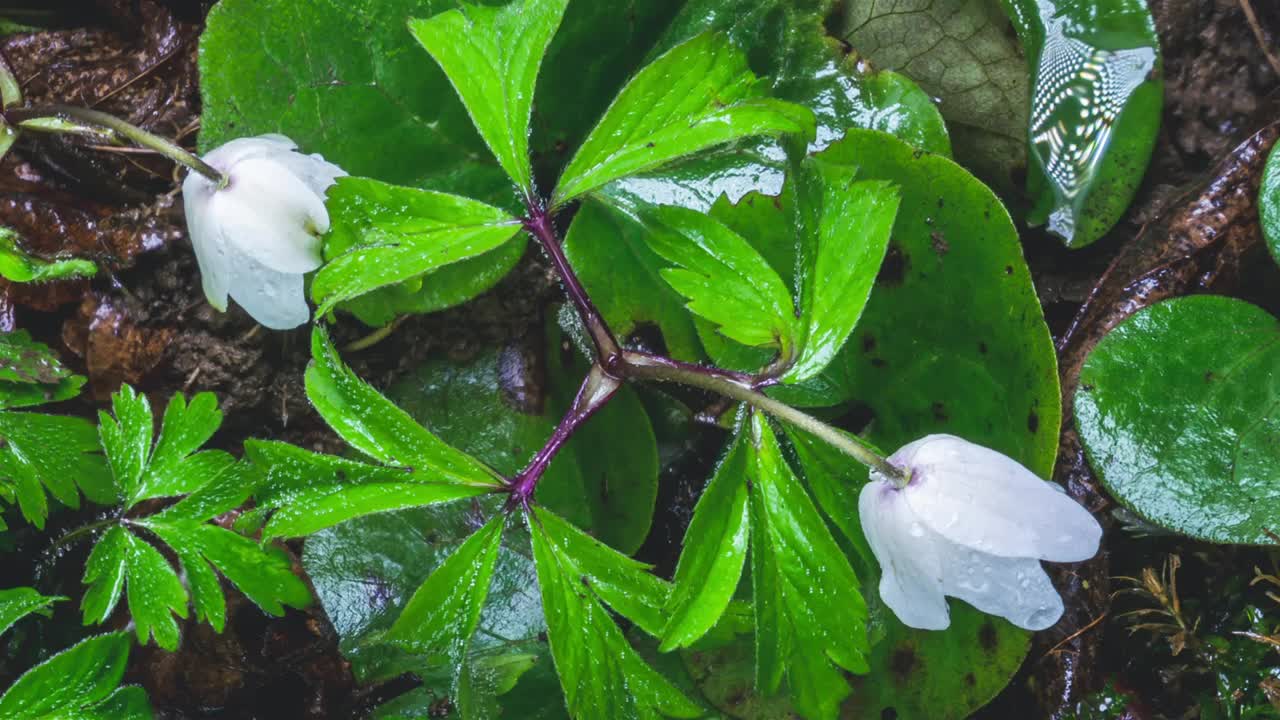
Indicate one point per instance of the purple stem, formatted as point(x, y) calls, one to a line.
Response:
point(597, 389)
point(539, 225)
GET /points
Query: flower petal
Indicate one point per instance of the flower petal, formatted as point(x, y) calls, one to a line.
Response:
point(910, 572)
point(271, 215)
point(207, 239)
point(983, 500)
point(1016, 589)
point(275, 299)
point(224, 157)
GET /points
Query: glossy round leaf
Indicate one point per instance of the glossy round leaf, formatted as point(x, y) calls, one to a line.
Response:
point(1179, 411)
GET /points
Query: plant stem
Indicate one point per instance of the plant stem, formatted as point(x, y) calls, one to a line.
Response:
point(146, 139)
point(538, 224)
point(649, 367)
point(597, 389)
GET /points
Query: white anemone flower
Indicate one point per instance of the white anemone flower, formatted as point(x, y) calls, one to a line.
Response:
point(973, 524)
point(258, 234)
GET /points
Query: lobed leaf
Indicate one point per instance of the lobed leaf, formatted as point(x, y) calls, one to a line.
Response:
point(51, 452)
point(17, 603)
point(80, 682)
point(31, 374)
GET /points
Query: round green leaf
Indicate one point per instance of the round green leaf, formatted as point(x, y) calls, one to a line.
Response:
point(1179, 411)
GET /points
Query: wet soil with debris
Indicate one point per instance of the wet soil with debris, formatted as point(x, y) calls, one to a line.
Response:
point(144, 320)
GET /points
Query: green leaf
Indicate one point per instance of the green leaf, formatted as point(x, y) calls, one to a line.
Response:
point(19, 267)
point(821, 617)
point(1269, 203)
point(121, 562)
point(695, 96)
point(623, 584)
point(385, 234)
point(492, 57)
point(725, 279)
point(175, 468)
point(51, 452)
point(609, 251)
point(963, 53)
point(1186, 439)
point(443, 614)
point(263, 573)
point(373, 425)
point(17, 603)
point(1096, 103)
point(75, 683)
point(126, 438)
point(602, 676)
point(835, 480)
point(844, 230)
point(311, 492)
point(713, 555)
point(31, 374)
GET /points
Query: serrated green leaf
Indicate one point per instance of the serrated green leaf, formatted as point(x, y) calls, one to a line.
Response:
point(385, 234)
point(443, 614)
point(311, 492)
point(173, 470)
point(697, 95)
point(609, 251)
point(53, 452)
point(1187, 439)
point(844, 231)
point(492, 57)
point(71, 683)
point(126, 438)
point(713, 554)
point(19, 267)
point(725, 279)
point(31, 374)
point(835, 480)
point(373, 425)
point(154, 592)
point(624, 584)
point(127, 703)
point(263, 573)
point(221, 493)
point(821, 614)
point(602, 676)
point(17, 603)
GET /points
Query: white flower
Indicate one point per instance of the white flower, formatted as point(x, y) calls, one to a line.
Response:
point(973, 524)
point(259, 234)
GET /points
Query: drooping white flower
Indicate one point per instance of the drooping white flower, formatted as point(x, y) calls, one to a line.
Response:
point(256, 236)
point(973, 524)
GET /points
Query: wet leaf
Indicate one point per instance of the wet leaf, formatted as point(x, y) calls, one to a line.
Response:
point(843, 229)
point(17, 266)
point(31, 374)
point(1096, 99)
point(372, 424)
point(79, 682)
point(610, 252)
point(602, 676)
point(697, 95)
point(17, 603)
point(1187, 439)
point(50, 452)
point(961, 52)
point(713, 555)
point(492, 56)
point(724, 279)
point(811, 620)
point(384, 234)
